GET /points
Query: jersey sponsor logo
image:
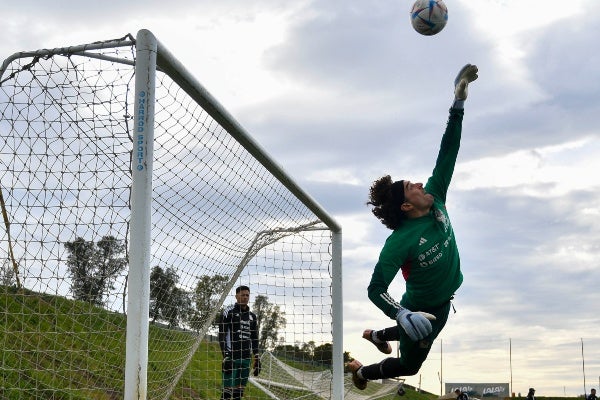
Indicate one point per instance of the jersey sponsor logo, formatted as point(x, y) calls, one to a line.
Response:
point(432, 250)
point(441, 217)
point(422, 241)
point(434, 253)
point(430, 256)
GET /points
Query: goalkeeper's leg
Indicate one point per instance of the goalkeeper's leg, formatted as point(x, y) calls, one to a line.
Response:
point(412, 354)
point(391, 334)
point(227, 393)
point(238, 393)
point(228, 379)
point(355, 367)
point(378, 338)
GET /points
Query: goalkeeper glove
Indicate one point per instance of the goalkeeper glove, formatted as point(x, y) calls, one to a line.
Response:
point(257, 366)
point(227, 363)
point(415, 324)
point(467, 74)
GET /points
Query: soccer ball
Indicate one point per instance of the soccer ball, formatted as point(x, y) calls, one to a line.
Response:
point(428, 17)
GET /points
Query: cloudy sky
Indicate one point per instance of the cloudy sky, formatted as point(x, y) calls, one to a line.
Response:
point(341, 92)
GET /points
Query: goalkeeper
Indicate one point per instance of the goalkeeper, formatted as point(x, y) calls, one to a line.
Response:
point(238, 339)
point(423, 247)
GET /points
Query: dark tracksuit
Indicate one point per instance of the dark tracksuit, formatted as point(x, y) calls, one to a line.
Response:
point(238, 339)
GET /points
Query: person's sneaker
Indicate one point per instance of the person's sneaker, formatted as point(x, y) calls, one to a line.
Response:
point(354, 366)
point(383, 347)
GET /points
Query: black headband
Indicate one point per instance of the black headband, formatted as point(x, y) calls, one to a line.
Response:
point(397, 190)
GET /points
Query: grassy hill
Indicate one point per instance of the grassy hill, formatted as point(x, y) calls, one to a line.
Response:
point(54, 348)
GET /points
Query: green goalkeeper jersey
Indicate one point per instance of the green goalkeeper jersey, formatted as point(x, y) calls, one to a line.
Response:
point(424, 248)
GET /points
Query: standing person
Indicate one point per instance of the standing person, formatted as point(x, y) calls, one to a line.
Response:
point(460, 395)
point(238, 338)
point(423, 247)
point(531, 394)
point(592, 395)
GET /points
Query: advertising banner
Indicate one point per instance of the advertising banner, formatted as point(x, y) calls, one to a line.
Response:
point(480, 390)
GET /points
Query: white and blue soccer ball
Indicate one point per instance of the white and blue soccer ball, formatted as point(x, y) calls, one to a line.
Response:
point(428, 17)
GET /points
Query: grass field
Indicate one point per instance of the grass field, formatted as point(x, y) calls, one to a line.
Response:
point(54, 348)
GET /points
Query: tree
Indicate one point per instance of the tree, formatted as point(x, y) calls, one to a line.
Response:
point(93, 267)
point(323, 354)
point(308, 352)
point(347, 357)
point(7, 274)
point(309, 349)
point(270, 320)
point(205, 298)
point(167, 301)
point(110, 262)
point(178, 308)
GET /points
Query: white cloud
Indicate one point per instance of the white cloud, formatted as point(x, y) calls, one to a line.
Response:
point(507, 18)
point(547, 171)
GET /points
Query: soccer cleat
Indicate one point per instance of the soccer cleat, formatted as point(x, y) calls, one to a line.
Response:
point(467, 74)
point(383, 347)
point(354, 366)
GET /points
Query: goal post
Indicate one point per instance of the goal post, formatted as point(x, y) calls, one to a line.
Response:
point(135, 204)
point(138, 310)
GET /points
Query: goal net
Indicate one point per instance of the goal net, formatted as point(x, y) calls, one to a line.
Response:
point(133, 205)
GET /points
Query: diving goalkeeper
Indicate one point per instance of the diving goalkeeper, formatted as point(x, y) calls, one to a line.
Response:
point(423, 247)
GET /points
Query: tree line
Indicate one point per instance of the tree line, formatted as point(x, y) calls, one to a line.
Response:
point(94, 268)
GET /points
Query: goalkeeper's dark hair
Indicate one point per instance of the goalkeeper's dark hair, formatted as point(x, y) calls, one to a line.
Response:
point(386, 197)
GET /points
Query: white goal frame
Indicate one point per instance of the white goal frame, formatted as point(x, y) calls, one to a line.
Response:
point(151, 56)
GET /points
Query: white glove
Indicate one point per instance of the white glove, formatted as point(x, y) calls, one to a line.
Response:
point(467, 74)
point(415, 324)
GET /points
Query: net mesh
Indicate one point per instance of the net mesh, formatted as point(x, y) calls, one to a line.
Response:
point(219, 219)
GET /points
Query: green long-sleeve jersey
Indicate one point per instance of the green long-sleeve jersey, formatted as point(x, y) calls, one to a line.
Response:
point(424, 248)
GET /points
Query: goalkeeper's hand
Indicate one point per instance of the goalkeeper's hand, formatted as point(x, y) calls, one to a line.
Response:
point(467, 74)
point(257, 365)
point(227, 364)
point(415, 324)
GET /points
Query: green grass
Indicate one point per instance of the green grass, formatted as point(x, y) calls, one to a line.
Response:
point(55, 348)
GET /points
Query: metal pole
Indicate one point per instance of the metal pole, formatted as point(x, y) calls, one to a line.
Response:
point(441, 367)
point(337, 317)
point(136, 349)
point(510, 362)
point(583, 368)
